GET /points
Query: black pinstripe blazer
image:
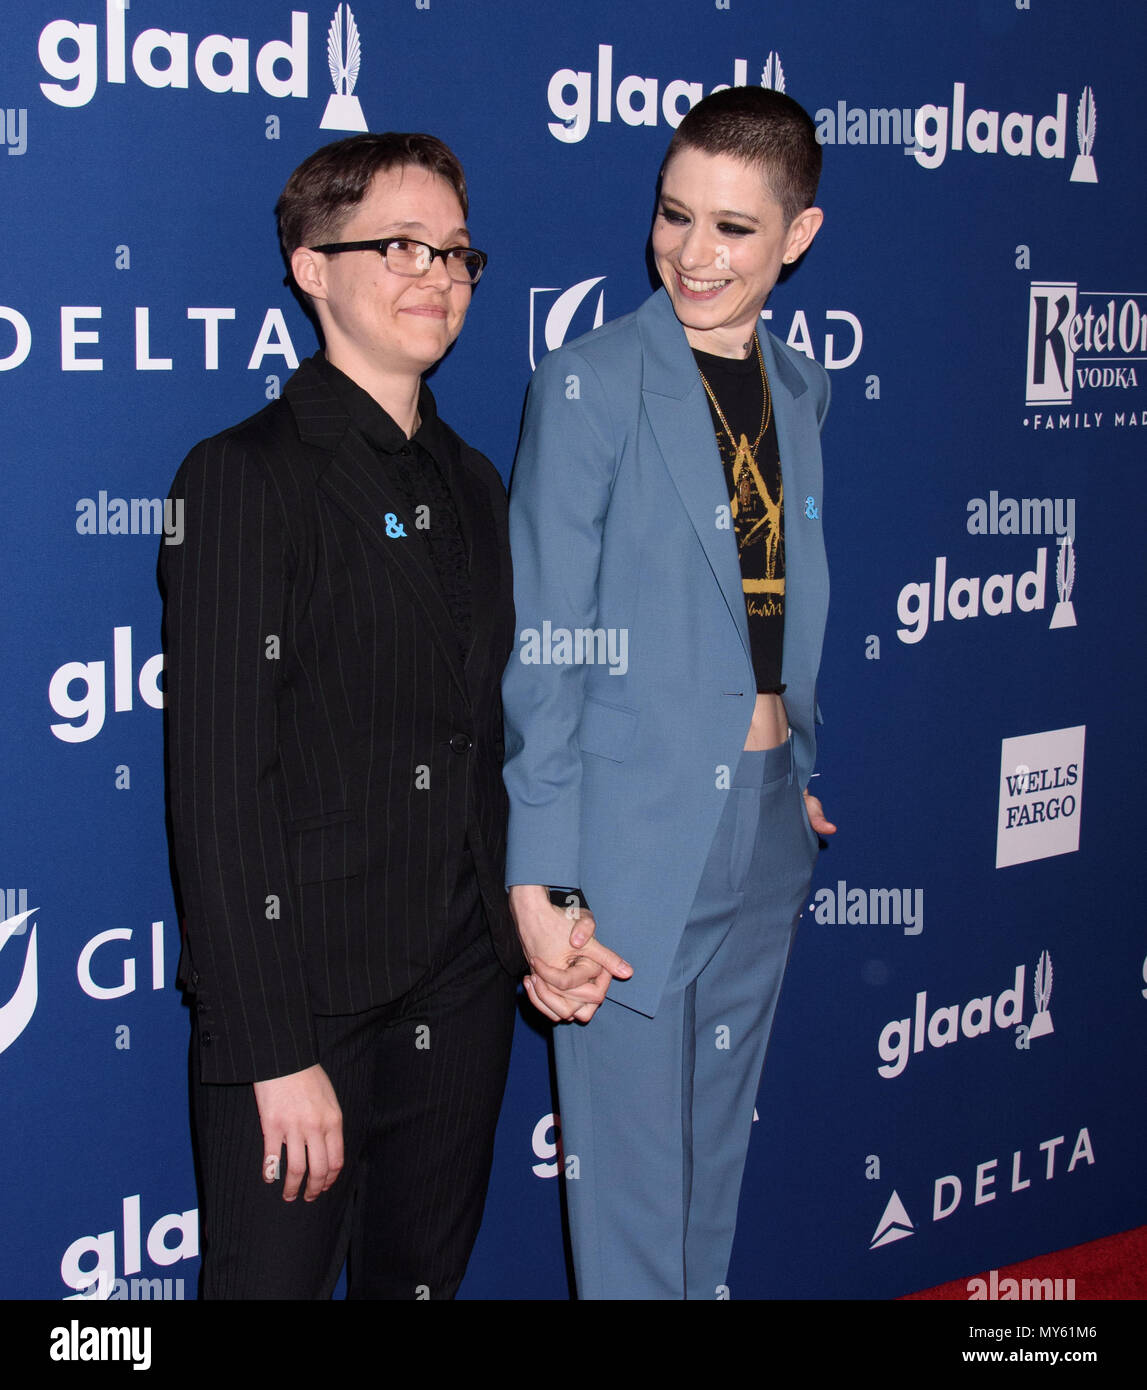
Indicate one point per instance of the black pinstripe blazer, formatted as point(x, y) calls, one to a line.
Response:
point(329, 748)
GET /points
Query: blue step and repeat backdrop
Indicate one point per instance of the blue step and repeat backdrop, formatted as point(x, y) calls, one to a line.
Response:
point(957, 1073)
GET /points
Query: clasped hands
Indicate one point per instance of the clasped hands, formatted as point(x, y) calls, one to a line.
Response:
point(570, 975)
point(570, 970)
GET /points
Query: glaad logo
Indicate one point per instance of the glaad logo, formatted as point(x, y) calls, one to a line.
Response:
point(100, 1281)
point(1081, 339)
point(948, 1191)
point(560, 315)
point(81, 70)
point(552, 1160)
point(91, 705)
point(970, 597)
point(344, 57)
point(635, 99)
point(1041, 790)
point(986, 132)
point(17, 1013)
point(901, 1037)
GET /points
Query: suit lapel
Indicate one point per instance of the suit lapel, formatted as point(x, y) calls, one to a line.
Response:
point(798, 439)
point(356, 483)
point(678, 414)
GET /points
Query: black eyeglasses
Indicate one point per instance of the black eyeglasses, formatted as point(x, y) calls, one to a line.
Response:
point(414, 258)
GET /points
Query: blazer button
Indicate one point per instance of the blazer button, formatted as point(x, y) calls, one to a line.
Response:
point(205, 1039)
point(461, 743)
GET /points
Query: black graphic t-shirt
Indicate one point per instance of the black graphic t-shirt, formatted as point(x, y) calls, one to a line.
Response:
point(756, 501)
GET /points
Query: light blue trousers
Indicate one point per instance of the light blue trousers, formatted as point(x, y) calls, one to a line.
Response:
point(658, 1110)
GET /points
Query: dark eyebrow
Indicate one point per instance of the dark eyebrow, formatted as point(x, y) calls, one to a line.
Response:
point(720, 212)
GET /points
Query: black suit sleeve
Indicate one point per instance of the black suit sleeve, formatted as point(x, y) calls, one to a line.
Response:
point(227, 607)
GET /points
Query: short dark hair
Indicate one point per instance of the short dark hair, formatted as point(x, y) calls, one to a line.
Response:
point(326, 186)
point(763, 128)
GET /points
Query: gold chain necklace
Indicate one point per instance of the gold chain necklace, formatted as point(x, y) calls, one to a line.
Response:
point(766, 403)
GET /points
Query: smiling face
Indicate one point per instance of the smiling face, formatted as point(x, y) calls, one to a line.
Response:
point(377, 324)
point(719, 240)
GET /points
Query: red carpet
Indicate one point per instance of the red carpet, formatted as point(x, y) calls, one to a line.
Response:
point(1114, 1267)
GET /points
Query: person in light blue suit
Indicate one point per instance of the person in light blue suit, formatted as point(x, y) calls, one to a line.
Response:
point(671, 591)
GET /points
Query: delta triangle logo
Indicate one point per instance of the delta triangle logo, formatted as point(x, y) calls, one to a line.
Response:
point(895, 1224)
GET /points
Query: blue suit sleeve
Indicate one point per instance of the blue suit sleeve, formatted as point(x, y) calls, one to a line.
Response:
point(559, 498)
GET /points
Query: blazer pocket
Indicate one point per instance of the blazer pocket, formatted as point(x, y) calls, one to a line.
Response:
point(606, 730)
point(327, 847)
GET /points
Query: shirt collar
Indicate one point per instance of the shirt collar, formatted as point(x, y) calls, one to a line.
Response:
point(368, 417)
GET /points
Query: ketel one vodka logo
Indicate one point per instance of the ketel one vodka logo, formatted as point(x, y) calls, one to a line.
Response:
point(1081, 339)
point(344, 56)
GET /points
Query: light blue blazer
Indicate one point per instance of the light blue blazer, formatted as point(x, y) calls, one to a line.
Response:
point(619, 520)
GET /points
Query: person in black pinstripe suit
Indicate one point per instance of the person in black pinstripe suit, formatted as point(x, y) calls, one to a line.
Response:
point(336, 624)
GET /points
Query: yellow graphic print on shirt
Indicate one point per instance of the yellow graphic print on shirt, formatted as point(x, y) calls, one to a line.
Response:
point(757, 520)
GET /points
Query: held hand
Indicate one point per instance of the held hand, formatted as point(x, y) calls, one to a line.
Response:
point(816, 817)
point(570, 970)
point(301, 1111)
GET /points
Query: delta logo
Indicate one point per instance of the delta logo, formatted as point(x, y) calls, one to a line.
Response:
point(950, 1192)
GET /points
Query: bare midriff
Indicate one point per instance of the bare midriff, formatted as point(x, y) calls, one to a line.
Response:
point(770, 725)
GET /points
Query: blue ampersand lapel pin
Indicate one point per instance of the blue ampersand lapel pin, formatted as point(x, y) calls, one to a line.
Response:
point(810, 508)
point(394, 528)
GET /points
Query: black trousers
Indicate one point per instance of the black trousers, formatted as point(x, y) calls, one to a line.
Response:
point(420, 1083)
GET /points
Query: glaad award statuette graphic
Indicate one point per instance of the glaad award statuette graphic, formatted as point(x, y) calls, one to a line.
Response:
point(344, 54)
point(1083, 170)
point(1064, 612)
point(1041, 1023)
point(772, 74)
